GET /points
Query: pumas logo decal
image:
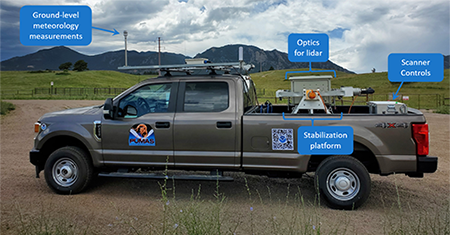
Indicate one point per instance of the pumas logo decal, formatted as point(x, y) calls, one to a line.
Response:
point(141, 135)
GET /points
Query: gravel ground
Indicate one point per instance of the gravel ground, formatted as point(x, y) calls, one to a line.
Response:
point(105, 207)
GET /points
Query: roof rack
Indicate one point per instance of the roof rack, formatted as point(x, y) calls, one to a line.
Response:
point(187, 68)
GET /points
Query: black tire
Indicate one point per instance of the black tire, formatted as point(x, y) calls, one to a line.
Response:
point(68, 170)
point(343, 182)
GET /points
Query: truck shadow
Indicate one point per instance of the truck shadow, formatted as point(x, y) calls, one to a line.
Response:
point(246, 188)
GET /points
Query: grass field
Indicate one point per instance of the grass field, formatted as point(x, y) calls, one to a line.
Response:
point(22, 80)
point(203, 214)
point(22, 85)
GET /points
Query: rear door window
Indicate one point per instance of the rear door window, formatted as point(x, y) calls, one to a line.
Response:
point(206, 97)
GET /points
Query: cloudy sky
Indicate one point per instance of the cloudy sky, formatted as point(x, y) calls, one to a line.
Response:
point(362, 33)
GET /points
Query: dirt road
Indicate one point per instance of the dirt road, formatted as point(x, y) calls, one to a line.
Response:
point(111, 205)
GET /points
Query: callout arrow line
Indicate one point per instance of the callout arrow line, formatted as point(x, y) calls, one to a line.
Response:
point(109, 31)
point(395, 96)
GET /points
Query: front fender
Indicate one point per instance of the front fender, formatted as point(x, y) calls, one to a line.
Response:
point(82, 132)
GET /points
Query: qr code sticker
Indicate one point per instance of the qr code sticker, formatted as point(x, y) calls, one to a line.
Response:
point(282, 139)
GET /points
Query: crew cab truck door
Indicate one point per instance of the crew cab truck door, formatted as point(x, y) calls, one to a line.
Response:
point(270, 143)
point(142, 130)
point(205, 125)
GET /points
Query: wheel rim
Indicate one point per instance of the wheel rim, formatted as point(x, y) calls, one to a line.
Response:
point(343, 184)
point(65, 172)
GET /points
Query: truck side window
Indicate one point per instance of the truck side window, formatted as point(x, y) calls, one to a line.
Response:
point(205, 97)
point(153, 98)
point(249, 94)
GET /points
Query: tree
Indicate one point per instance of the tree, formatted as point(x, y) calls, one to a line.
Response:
point(271, 68)
point(80, 65)
point(65, 66)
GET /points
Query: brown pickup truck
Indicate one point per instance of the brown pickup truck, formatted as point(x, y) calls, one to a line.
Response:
point(214, 123)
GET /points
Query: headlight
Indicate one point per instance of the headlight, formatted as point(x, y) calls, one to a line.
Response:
point(39, 127)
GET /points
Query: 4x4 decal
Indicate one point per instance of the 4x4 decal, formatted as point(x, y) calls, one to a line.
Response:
point(392, 125)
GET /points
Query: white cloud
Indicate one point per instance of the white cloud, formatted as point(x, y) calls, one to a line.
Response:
point(373, 29)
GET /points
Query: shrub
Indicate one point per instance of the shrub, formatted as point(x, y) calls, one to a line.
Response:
point(65, 66)
point(80, 65)
point(6, 107)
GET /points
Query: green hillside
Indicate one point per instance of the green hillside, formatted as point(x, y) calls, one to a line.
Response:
point(26, 85)
point(22, 80)
point(421, 94)
point(274, 80)
point(79, 85)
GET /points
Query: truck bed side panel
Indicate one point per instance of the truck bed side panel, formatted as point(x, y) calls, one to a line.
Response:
point(388, 137)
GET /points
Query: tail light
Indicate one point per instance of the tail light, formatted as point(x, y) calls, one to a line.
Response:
point(421, 137)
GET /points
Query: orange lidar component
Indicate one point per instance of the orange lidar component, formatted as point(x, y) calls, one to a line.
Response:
point(311, 94)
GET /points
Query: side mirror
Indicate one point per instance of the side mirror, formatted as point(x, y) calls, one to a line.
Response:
point(108, 109)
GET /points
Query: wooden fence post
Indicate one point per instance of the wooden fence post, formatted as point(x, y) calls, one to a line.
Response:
point(437, 100)
point(419, 101)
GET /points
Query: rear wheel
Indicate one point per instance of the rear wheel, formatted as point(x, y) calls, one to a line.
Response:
point(343, 182)
point(68, 170)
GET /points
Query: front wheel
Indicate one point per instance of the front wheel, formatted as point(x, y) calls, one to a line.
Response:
point(68, 170)
point(343, 182)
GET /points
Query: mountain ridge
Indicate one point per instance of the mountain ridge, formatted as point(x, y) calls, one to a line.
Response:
point(262, 59)
point(51, 59)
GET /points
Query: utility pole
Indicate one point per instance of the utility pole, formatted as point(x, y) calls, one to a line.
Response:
point(241, 60)
point(125, 34)
point(159, 54)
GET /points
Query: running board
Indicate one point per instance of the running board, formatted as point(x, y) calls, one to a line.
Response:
point(161, 176)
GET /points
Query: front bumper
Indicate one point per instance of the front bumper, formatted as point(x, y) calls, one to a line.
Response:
point(35, 157)
point(37, 160)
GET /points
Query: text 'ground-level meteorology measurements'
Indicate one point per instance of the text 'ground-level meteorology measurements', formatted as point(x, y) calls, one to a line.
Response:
point(57, 26)
point(415, 67)
point(308, 47)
